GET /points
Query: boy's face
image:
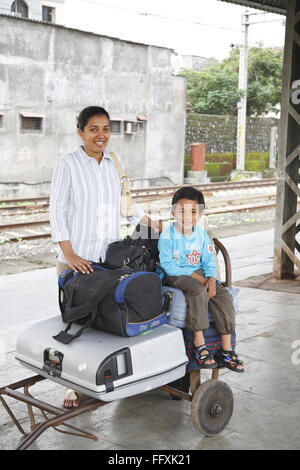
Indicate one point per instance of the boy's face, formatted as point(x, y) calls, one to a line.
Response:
point(187, 213)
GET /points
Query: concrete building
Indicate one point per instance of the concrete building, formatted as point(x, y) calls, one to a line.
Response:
point(51, 11)
point(189, 62)
point(48, 73)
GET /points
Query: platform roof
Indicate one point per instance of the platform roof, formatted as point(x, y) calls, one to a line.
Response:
point(274, 6)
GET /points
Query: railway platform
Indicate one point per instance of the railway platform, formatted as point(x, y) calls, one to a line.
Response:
point(266, 397)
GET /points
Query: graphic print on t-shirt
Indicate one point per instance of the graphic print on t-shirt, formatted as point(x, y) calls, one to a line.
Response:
point(193, 258)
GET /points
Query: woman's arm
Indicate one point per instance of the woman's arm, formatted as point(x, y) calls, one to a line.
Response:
point(59, 201)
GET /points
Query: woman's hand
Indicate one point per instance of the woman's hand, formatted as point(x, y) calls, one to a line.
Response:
point(211, 287)
point(75, 262)
point(78, 264)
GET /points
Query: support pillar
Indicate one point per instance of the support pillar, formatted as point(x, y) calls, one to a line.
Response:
point(197, 157)
point(197, 173)
point(287, 227)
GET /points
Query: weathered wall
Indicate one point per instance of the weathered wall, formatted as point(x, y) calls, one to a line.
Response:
point(56, 71)
point(219, 133)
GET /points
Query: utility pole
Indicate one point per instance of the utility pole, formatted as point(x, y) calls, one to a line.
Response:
point(242, 105)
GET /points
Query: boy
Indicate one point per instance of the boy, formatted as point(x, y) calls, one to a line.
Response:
point(187, 257)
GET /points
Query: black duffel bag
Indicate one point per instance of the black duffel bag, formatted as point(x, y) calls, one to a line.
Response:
point(116, 301)
point(136, 253)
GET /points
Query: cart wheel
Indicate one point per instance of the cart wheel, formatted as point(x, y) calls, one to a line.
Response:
point(212, 407)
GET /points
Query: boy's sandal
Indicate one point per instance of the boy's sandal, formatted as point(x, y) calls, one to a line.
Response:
point(229, 359)
point(202, 359)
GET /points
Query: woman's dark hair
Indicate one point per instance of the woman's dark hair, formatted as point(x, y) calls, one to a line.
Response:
point(87, 113)
point(188, 192)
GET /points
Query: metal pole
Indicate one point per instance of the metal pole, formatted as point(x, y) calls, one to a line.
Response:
point(286, 247)
point(242, 105)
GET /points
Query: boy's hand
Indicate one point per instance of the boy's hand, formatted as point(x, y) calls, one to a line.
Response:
point(211, 287)
point(199, 278)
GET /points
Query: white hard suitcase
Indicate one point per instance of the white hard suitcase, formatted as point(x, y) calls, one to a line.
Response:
point(175, 305)
point(101, 365)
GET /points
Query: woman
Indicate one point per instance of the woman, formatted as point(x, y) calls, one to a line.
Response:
point(85, 202)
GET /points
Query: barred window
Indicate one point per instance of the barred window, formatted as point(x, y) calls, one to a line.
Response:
point(130, 127)
point(31, 122)
point(115, 127)
point(141, 126)
point(48, 14)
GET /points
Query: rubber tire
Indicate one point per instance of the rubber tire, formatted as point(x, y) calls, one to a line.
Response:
point(205, 398)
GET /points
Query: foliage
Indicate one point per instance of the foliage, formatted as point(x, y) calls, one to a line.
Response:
point(214, 89)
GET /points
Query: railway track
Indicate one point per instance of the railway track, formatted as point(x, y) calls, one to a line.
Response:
point(31, 203)
point(35, 229)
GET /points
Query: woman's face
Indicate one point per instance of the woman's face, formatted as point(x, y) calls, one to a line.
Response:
point(95, 135)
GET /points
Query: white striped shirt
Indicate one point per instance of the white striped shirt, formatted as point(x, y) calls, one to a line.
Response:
point(85, 204)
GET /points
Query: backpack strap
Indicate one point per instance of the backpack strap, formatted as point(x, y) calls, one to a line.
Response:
point(64, 337)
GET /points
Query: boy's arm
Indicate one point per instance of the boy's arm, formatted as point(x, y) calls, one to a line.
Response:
point(199, 278)
point(211, 287)
point(208, 260)
point(167, 262)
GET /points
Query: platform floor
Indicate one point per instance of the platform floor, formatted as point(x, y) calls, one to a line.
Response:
point(266, 397)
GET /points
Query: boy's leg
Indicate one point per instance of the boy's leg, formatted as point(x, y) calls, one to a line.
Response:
point(196, 299)
point(222, 310)
point(196, 315)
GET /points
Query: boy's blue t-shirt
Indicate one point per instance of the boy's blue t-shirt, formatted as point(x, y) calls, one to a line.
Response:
point(181, 255)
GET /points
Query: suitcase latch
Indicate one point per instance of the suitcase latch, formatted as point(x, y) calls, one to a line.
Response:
point(53, 362)
point(108, 381)
point(168, 301)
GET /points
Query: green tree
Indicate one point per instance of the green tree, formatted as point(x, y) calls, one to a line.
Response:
point(214, 89)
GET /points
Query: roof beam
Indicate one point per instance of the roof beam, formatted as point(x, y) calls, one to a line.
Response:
point(259, 5)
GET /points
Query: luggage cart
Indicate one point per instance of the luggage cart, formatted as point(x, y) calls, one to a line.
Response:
point(211, 401)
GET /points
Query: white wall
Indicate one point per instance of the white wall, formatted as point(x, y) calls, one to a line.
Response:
point(57, 71)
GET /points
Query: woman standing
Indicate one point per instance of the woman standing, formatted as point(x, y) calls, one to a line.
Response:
point(85, 202)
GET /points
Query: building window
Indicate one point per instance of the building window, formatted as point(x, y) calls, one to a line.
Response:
point(1, 121)
point(48, 14)
point(31, 122)
point(130, 127)
point(141, 126)
point(115, 127)
point(19, 8)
